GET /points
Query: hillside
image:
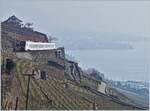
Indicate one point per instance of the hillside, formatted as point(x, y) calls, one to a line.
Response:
point(50, 93)
point(45, 79)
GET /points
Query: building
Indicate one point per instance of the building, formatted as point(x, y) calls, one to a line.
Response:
point(93, 83)
point(13, 27)
point(51, 62)
point(89, 81)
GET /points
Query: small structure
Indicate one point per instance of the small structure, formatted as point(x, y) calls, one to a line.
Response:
point(102, 87)
point(14, 28)
point(92, 82)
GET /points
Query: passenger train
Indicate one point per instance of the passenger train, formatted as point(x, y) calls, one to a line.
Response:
point(29, 45)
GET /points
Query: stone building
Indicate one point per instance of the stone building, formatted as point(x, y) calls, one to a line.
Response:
point(13, 27)
point(51, 62)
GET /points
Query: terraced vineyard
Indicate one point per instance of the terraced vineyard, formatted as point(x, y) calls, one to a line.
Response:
point(43, 91)
point(52, 94)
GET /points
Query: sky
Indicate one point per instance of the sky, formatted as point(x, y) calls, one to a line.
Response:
point(50, 17)
point(61, 18)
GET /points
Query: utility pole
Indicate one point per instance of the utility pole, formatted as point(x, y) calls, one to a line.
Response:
point(16, 103)
point(28, 87)
point(94, 104)
point(2, 93)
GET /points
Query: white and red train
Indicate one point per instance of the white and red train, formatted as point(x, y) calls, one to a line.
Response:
point(29, 45)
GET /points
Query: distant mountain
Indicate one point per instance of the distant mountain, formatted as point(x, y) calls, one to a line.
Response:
point(82, 45)
point(96, 40)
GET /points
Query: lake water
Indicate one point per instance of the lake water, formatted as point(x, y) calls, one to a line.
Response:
point(116, 64)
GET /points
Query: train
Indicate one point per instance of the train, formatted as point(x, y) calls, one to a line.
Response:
point(32, 46)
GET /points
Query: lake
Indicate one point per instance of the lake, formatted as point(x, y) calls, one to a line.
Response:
point(129, 64)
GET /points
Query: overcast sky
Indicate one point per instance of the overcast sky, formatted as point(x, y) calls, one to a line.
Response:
point(50, 17)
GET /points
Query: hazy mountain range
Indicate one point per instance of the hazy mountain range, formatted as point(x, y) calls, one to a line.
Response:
point(94, 40)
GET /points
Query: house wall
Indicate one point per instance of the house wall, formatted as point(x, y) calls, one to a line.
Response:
point(19, 33)
point(102, 87)
point(41, 58)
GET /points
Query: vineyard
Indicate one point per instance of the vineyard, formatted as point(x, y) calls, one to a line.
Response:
point(50, 93)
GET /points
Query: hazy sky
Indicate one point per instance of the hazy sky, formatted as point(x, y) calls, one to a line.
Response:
point(58, 17)
point(132, 17)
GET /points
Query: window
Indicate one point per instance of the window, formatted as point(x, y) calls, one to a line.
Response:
point(59, 54)
point(43, 75)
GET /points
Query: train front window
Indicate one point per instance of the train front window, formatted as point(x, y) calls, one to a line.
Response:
point(22, 43)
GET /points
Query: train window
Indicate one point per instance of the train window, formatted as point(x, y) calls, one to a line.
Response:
point(19, 45)
point(22, 45)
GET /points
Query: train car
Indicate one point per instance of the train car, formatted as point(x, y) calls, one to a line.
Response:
point(29, 45)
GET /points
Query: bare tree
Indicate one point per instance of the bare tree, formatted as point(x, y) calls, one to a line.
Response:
point(50, 39)
point(95, 73)
point(92, 70)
